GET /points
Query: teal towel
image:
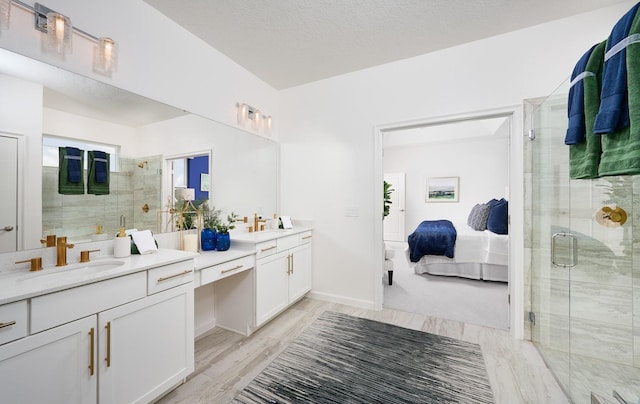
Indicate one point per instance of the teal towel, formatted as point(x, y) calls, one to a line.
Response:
point(584, 157)
point(621, 149)
point(66, 187)
point(93, 185)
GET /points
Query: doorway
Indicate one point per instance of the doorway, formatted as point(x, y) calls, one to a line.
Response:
point(475, 149)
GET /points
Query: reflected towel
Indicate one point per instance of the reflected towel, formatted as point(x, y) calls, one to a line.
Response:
point(98, 170)
point(144, 241)
point(614, 108)
point(621, 149)
point(584, 157)
point(576, 131)
point(75, 159)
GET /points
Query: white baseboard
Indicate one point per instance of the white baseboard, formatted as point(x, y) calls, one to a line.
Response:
point(328, 297)
point(204, 328)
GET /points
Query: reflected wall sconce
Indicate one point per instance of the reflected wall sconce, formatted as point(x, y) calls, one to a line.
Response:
point(251, 117)
point(59, 32)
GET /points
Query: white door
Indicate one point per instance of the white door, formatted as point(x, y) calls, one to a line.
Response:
point(9, 204)
point(394, 222)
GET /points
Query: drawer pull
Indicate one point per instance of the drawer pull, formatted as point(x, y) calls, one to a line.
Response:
point(224, 271)
point(306, 237)
point(92, 336)
point(267, 249)
point(166, 278)
point(9, 324)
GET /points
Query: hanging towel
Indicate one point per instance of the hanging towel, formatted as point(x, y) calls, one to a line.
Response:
point(576, 130)
point(621, 149)
point(584, 157)
point(70, 171)
point(614, 109)
point(98, 178)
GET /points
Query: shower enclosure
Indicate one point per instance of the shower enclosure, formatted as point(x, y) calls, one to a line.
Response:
point(584, 271)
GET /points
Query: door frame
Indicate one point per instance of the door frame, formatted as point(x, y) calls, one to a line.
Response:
point(516, 201)
point(20, 237)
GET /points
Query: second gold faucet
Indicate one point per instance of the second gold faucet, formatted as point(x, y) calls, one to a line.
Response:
point(61, 251)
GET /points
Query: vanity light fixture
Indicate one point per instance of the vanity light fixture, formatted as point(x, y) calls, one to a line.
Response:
point(249, 116)
point(5, 13)
point(59, 34)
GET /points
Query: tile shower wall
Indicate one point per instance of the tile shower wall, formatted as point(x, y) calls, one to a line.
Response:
point(76, 216)
point(588, 317)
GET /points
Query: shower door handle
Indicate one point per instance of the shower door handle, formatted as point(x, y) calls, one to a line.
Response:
point(574, 250)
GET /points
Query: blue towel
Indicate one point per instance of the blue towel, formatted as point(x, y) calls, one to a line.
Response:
point(432, 237)
point(74, 165)
point(101, 166)
point(576, 131)
point(614, 109)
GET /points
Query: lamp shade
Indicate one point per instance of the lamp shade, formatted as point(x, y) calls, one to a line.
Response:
point(105, 56)
point(187, 194)
point(59, 32)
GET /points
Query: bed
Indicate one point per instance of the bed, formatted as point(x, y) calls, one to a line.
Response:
point(476, 255)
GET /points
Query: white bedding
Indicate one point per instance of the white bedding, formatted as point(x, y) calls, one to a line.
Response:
point(473, 251)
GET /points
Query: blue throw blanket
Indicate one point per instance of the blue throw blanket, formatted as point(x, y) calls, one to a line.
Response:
point(432, 237)
point(614, 107)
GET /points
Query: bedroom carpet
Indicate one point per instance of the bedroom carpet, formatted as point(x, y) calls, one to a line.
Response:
point(470, 301)
point(345, 359)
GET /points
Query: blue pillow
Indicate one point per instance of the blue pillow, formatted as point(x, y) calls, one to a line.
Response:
point(498, 220)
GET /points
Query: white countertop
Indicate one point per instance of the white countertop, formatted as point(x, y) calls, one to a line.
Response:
point(266, 235)
point(18, 285)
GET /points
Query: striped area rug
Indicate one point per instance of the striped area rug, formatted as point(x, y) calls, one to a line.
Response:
point(345, 359)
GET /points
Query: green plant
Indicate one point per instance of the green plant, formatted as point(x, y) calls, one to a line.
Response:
point(210, 216)
point(224, 227)
point(387, 199)
point(188, 213)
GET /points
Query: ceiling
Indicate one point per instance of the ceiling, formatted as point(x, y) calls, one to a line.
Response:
point(292, 42)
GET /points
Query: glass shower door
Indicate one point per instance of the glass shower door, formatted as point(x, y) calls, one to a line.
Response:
point(582, 272)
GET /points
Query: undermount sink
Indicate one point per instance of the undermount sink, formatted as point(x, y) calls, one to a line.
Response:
point(95, 266)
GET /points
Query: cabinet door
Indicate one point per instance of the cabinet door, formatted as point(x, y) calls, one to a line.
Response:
point(54, 366)
point(300, 275)
point(146, 347)
point(271, 286)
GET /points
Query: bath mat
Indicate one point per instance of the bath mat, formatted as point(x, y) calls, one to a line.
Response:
point(346, 359)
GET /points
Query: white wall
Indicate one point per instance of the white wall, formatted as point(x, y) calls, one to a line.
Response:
point(482, 166)
point(329, 152)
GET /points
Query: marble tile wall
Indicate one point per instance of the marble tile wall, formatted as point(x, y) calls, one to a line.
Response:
point(587, 317)
point(76, 216)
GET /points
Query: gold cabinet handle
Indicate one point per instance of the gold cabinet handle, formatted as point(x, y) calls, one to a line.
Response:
point(108, 357)
point(9, 324)
point(92, 334)
point(166, 278)
point(224, 271)
point(267, 249)
point(291, 264)
point(306, 237)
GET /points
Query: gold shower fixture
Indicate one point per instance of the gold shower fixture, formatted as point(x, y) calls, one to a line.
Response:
point(144, 163)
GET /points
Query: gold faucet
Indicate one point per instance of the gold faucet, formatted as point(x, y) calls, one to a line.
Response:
point(50, 241)
point(36, 263)
point(62, 245)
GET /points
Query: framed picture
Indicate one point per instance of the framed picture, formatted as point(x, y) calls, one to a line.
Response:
point(204, 182)
point(442, 189)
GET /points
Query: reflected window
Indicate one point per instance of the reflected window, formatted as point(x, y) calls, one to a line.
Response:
point(50, 146)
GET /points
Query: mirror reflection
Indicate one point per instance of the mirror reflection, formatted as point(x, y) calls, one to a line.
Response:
point(146, 142)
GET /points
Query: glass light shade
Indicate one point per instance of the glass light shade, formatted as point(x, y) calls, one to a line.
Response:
point(257, 118)
point(59, 32)
point(5, 13)
point(243, 110)
point(105, 56)
point(267, 124)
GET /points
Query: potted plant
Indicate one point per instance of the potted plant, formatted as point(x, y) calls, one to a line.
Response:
point(387, 199)
point(223, 241)
point(210, 223)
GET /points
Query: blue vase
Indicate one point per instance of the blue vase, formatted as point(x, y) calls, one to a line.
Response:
point(208, 239)
point(223, 242)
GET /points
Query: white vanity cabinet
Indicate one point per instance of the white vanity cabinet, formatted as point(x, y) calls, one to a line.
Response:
point(112, 341)
point(283, 274)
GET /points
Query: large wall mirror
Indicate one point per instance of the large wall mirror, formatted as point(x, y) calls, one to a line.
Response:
point(143, 137)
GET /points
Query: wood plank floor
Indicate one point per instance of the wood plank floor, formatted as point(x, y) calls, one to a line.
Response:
point(226, 362)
